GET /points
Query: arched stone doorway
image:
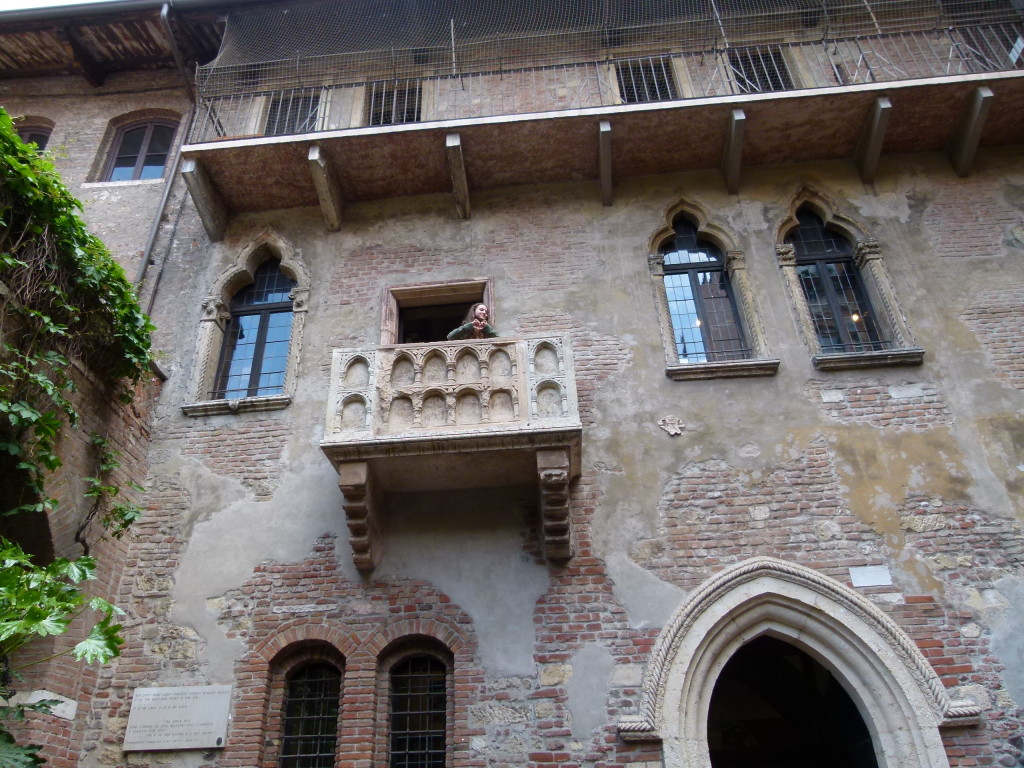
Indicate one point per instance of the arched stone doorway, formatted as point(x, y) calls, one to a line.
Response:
point(774, 706)
point(895, 691)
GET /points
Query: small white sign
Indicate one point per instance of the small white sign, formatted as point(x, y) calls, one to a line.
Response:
point(186, 717)
point(871, 576)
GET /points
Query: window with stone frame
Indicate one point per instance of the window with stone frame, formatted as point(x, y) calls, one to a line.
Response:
point(846, 304)
point(707, 312)
point(140, 151)
point(254, 356)
point(309, 716)
point(250, 332)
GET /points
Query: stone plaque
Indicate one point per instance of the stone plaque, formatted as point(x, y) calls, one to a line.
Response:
point(188, 717)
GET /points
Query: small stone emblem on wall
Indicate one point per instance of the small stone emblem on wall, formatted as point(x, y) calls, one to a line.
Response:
point(672, 424)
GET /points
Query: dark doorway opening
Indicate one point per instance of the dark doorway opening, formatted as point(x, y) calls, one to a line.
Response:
point(774, 706)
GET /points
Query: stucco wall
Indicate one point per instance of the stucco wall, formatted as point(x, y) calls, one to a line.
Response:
point(916, 469)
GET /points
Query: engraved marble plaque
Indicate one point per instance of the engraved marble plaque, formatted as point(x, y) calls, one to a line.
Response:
point(187, 717)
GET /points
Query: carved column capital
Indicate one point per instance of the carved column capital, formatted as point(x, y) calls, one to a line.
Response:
point(656, 263)
point(735, 260)
point(867, 250)
point(786, 254)
point(214, 309)
point(300, 299)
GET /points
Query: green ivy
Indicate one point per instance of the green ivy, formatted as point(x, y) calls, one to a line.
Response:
point(62, 298)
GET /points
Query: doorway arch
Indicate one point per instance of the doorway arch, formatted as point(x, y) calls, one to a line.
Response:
point(897, 693)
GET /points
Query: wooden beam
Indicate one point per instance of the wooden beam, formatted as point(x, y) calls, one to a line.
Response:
point(732, 156)
point(327, 188)
point(604, 144)
point(90, 68)
point(457, 167)
point(207, 199)
point(963, 144)
point(869, 149)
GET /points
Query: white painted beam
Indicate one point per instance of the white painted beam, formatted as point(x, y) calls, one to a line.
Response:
point(457, 167)
point(212, 211)
point(869, 149)
point(732, 156)
point(327, 188)
point(604, 143)
point(963, 144)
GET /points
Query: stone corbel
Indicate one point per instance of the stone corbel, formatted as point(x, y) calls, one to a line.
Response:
point(362, 511)
point(554, 474)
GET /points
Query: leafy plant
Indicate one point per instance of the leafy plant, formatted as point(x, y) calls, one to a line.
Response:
point(62, 299)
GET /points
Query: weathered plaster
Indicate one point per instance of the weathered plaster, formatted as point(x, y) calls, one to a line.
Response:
point(592, 668)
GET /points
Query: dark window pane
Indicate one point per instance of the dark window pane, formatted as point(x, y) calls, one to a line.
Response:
point(141, 152)
point(418, 713)
point(309, 732)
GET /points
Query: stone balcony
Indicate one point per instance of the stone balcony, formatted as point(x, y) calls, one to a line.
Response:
point(453, 415)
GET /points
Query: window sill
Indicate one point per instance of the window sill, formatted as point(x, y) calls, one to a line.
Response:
point(847, 360)
point(239, 405)
point(126, 183)
point(722, 370)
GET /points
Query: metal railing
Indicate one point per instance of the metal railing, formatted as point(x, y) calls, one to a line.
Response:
point(268, 107)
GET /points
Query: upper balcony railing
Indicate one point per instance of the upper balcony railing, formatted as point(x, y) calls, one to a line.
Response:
point(308, 105)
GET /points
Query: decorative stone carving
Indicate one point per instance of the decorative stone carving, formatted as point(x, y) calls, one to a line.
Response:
point(355, 481)
point(672, 424)
point(553, 472)
point(510, 403)
point(905, 703)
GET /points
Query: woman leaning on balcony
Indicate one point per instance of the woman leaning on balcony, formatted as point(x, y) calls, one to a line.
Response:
point(475, 325)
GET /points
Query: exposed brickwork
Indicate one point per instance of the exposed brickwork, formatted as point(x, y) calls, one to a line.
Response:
point(968, 219)
point(997, 318)
point(249, 451)
point(915, 406)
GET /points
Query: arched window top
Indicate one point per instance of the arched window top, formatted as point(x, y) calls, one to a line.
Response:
point(688, 247)
point(270, 286)
point(309, 720)
point(140, 150)
point(810, 238)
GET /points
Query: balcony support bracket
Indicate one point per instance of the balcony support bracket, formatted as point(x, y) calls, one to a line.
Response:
point(457, 167)
point(362, 511)
point(963, 145)
point(327, 188)
point(554, 473)
point(869, 150)
point(208, 202)
point(604, 143)
point(732, 156)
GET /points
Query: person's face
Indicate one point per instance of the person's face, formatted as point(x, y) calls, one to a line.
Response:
point(480, 313)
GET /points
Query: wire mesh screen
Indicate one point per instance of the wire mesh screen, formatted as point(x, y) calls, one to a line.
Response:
point(445, 59)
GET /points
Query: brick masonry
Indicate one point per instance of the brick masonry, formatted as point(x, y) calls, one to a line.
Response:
point(997, 318)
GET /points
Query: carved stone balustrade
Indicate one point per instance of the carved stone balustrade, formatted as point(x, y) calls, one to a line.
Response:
point(452, 415)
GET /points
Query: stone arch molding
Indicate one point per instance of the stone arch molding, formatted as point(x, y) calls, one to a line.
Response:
point(268, 244)
point(897, 692)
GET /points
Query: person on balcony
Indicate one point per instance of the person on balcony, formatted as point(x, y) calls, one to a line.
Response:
point(475, 325)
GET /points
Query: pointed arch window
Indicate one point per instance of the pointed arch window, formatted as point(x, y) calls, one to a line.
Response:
point(254, 357)
point(709, 321)
point(705, 323)
point(842, 315)
point(309, 720)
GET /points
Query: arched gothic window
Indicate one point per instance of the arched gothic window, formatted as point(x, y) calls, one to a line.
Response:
point(843, 318)
point(309, 720)
point(705, 324)
point(418, 712)
point(254, 356)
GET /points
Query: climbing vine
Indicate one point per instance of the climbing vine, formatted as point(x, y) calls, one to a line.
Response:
point(63, 301)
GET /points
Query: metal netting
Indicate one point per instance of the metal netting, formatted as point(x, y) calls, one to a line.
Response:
point(307, 64)
point(395, 39)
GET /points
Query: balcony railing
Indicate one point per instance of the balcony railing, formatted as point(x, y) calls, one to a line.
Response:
point(462, 414)
point(310, 107)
